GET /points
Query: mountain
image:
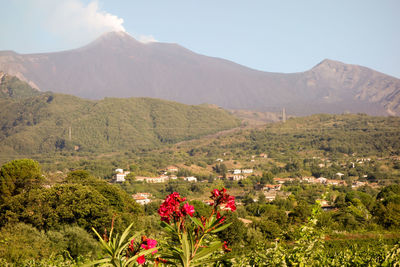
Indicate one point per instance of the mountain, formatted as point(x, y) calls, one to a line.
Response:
point(12, 87)
point(48, 122)
point(117, 65)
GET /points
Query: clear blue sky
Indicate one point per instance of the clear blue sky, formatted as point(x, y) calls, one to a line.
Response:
point(277, 36)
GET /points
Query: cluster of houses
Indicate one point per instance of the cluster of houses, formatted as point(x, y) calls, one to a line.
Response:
point(322, 180)
point(167, 175)
point(271, 191)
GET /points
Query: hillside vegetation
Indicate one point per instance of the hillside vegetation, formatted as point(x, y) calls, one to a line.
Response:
point(319, 134)
point(12, 87)
point(54, 122)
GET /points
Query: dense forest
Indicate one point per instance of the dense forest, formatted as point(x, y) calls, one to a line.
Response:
point(40, 123)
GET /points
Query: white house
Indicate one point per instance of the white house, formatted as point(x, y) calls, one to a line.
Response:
point(172, 168)
point(160, 179)
point(247, 171)
point(335, 182)
point(272, 187)
point(191, 179)
point(283, 180)
point(142, 198)
point(322, 180)
point(120, 175)
point(270, 196)
point(237, 171)
point(236, 177)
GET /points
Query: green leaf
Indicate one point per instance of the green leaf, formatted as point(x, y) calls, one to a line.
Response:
point(210, 222)
point(146, 252)
point(206, 252)
point(219, 229)
point(210, 260)
point(185, 248)
point(92, 263)
point(124, 235)
point(197, 222)
point(103, 243)
point(191, 242)
point(167, 227)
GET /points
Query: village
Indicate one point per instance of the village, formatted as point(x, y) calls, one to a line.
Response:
point(270, 191)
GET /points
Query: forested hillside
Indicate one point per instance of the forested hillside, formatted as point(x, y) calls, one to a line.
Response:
point(12, 87)
point(319, 134)
point(47, 122)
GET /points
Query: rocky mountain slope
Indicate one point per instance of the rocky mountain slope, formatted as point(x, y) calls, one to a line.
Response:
point(116, 65)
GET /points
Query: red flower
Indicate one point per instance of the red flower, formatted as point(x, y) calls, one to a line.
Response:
point(221, 219)
point(132, 245)
point(171, 209)
point(221, 197)
point(231, 203)
point(188, 209)
point(150, 243)
point(141, 259)
point(215, 193)
point(225, 247)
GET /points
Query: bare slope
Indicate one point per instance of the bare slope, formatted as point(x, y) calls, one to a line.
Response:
point(119, 66)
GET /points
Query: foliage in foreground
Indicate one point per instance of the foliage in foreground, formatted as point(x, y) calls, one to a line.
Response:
point(190, 241)
point(311, 249)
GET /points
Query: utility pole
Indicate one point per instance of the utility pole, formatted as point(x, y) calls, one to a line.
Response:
point(283, 115)
point(70, 133)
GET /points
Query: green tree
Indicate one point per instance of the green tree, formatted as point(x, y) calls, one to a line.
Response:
point(75, 240)
point(20, 242)
point(19, 176)
point(267, 178)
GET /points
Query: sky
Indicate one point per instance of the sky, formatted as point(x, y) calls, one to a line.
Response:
point(275, 36)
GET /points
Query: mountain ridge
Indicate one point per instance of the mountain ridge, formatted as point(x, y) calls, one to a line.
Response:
point(117, 65)
point(35, 122)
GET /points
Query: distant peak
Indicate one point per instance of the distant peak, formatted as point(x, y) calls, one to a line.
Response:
point(328, 63)
point(114, 39)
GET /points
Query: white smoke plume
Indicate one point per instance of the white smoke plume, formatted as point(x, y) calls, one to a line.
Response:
point(75, 15)
point(76, 22)
point(147, 39)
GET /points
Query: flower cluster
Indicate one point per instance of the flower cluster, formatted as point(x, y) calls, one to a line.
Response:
point(171, 208)
point(146, 243)
point(225, 247)
point(220, 197)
